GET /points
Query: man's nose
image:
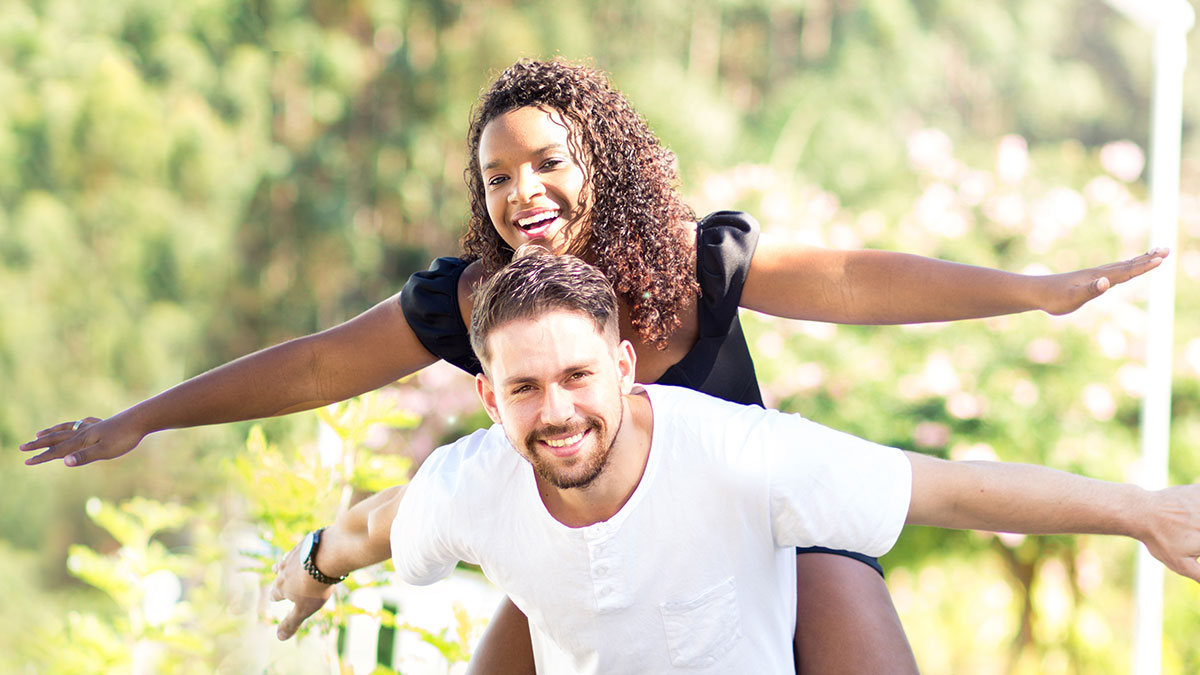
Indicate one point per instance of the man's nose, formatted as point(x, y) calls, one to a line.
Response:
point(557, 406)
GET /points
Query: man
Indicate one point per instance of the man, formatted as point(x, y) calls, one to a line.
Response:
point(655, 531)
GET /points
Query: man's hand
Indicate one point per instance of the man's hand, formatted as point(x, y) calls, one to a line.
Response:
point(358, 538)
point(1029, 499)
point(1172, 532)
point(293, 582)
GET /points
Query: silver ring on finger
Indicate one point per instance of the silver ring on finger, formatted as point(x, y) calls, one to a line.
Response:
point(75, 427)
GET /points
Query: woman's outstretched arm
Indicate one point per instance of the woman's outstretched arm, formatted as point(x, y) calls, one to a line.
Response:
point(373, 349)
point(883, 287)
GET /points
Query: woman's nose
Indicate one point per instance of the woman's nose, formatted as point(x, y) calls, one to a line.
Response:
point(526, 186)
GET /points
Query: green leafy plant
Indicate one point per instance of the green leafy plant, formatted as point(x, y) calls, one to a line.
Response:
point(291, 489)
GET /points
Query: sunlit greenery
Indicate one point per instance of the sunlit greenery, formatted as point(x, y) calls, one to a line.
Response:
point(183, 183)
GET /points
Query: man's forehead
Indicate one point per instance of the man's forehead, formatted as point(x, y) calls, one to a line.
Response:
point(544, 342)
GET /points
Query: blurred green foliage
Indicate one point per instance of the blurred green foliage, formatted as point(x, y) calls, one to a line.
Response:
point(164, 603)
point(182, 183)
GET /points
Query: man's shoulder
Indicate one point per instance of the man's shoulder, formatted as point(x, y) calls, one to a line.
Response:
point(477, 457)
point(675, 401)
point(696, 423)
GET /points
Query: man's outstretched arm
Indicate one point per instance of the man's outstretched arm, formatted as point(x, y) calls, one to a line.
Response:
point(1002, 497)
point(360, 537)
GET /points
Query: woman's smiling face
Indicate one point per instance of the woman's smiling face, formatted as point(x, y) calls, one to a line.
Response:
point(532, 178)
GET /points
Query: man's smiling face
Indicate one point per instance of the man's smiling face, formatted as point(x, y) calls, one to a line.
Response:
point(556, 384)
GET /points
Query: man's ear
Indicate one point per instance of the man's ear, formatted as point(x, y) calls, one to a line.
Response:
point(487, 396)
point(626, 365)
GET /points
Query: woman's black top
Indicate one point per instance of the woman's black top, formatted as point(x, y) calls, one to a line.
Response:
point(719, 364)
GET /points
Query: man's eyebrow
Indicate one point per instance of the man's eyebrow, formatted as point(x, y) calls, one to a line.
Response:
point(540, 151)
point(529, 379)
point(517, 379)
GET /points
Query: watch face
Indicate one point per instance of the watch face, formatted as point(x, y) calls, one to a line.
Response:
point(306, 547)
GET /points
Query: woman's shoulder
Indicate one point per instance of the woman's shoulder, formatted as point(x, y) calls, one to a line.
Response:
point(437, 305)
point(730, 223)
point(725, 245)
point(470, 279)
point(472, 275)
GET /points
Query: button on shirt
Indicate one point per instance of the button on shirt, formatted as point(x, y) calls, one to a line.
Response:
point(696, 573)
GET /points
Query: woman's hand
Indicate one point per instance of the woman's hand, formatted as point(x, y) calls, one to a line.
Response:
point(1065, 293)
point(82, 441)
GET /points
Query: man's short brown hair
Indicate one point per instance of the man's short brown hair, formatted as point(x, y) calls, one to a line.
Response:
point(535, 284)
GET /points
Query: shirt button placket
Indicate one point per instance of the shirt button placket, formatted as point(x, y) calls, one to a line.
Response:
point(599, 550)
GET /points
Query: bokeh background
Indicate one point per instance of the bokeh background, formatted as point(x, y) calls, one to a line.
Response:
point(183, 183)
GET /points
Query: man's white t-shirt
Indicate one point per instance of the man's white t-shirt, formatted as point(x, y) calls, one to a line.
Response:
point(696, 573)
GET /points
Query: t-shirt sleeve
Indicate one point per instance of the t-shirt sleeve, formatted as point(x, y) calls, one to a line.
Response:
point(725, 244)
point(424, 541)
point(832, 489)
point(804, 484)
point(430, 304)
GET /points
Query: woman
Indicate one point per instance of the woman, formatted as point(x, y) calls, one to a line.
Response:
point(557, 155)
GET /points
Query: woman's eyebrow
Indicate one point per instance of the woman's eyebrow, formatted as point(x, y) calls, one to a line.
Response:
point(540, 151)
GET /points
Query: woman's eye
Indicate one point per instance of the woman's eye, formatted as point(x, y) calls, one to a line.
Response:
point(496, 180)
point(552, 163)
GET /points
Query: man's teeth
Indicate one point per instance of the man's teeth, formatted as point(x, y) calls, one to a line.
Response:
point(537, 219)
point(564, 442)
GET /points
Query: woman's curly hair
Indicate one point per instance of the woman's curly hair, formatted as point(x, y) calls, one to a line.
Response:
point(635, 229)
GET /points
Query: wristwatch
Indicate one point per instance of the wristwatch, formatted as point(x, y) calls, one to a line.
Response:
point(308, 553)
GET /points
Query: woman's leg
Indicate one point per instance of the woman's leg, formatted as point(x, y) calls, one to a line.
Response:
point(505, 648)
point(845, 620)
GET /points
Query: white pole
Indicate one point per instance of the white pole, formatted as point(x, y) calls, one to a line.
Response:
point(1170, 59)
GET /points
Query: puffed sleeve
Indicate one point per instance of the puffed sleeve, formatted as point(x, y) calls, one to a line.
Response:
point(725, 243)
point(430, 304)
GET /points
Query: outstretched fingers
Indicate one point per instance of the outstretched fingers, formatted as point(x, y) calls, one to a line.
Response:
point(61, 426)
point(1065, 293)
point(68, 440)
point(1120, 272)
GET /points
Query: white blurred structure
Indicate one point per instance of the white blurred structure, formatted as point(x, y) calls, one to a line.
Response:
point(429, 607)
point(1169, 21)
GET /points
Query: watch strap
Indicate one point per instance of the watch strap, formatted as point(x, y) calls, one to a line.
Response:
point(310, 562)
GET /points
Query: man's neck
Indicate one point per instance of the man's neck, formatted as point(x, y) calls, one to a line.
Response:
point(604, 497)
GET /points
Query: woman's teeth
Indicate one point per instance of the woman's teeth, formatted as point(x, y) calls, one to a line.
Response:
point(534, 221)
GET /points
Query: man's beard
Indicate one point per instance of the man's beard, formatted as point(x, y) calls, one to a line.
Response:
point(573, 475)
